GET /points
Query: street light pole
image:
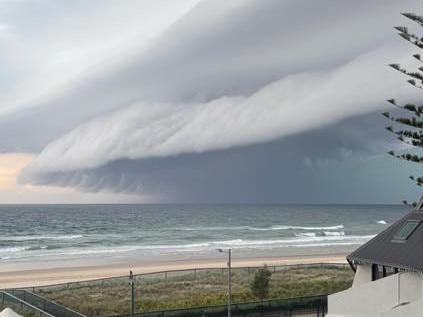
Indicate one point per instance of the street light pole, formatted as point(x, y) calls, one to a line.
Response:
point(132, 283)
point(229, 278)
point(229, 282)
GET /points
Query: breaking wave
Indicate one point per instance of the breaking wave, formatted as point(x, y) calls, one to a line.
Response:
point(299, 241)
point(40, 237)
point(272, 228)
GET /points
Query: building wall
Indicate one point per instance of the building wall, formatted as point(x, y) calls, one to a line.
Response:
point(377, 298)
point(410, 287)
point(413, 309)
point(362, 275)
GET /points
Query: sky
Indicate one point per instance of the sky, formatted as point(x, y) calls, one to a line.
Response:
point(201, 101)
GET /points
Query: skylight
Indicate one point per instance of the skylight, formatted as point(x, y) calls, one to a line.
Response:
point(406, 230)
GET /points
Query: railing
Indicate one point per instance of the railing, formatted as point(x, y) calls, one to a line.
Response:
point(44, 304)
point(186, 273)
point(301, 306)
point(22, 307)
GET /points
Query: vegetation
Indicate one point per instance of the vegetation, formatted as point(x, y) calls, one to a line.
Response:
point(204, 288)
point(411, 121)
point(260, 284)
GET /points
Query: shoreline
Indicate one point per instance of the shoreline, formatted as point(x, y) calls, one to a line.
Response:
point(58, 275)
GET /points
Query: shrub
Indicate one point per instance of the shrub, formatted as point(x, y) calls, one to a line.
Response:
point(260, 284)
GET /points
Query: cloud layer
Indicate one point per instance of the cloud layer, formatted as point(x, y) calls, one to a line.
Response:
point(223, 76)
point(292, 105)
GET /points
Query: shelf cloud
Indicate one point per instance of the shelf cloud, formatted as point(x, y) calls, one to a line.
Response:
point(295, 104)
point(217, 76)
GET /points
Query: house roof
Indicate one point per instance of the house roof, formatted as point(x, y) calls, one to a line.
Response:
point(387, 249)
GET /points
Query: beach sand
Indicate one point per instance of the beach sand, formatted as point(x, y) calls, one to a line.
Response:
point(38, 277)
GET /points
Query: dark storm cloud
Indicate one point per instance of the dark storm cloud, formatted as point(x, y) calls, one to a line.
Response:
point(198, 102)
point(343, 163)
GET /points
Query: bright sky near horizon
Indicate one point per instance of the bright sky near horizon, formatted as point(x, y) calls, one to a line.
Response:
point(200, 101)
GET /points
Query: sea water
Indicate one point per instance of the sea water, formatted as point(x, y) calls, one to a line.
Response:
point(39, 233)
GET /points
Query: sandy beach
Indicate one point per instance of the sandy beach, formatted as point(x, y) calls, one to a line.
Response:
point(38, 277)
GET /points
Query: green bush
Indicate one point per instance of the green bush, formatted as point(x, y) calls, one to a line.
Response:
point(260, 284)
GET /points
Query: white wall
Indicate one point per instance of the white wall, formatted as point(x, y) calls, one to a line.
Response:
point(377, 298)
point(362, 275)
point(410, 287)
point(413, 309)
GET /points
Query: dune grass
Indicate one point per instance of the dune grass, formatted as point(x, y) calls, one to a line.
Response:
point(205, 288)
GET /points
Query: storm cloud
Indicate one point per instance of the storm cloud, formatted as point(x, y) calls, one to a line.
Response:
point(223, 77)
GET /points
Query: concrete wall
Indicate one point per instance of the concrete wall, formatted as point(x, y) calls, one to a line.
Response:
point(377, 298)
point(410, 287)
point(413, 309)
point(362, 275)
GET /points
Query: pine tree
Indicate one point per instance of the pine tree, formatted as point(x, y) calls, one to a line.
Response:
point(408, 128)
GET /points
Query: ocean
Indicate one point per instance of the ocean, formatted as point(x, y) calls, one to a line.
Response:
point(117, 233)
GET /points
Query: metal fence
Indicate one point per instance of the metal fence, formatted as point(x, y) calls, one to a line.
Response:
point(315, 306)
point(44, 304)
point(179, 275)
point(21, 306)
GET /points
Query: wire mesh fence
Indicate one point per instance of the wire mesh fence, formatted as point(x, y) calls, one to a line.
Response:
point(186, 275)
point(44, 304)
point(155, 293)
point(298, 307)
point(21, 306)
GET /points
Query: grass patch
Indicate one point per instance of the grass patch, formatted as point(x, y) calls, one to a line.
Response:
point(205, 288)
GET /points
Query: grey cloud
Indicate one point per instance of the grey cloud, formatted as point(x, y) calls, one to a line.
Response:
point(216, 49)
point(222, 77)
point(268, 172)
point(292, 105)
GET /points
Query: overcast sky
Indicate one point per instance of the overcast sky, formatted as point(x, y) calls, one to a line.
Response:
point(201, 101)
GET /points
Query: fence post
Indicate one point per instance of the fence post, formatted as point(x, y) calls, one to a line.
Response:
point(195, 274)
point(165, 276)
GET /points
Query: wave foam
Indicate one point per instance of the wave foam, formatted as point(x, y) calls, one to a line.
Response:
point(306, 234)
point(40, 237)
point(299, 241)
point(13, 249)
point(321, 234)
point(334, 233)
point(272, 228)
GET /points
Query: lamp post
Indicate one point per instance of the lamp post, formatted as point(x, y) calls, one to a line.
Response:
point(229, 278)
point(132, 284)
